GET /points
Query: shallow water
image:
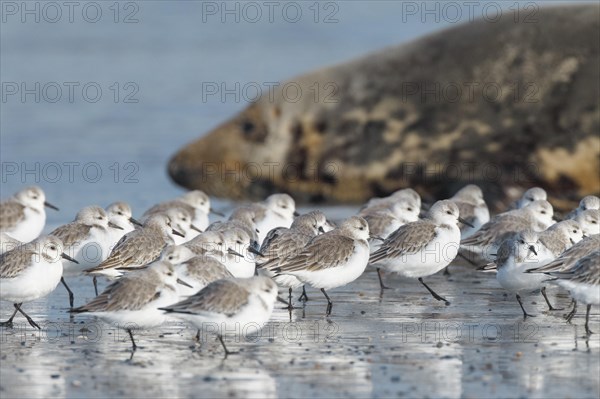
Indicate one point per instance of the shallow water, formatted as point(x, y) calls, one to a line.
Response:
point(83, 153)
point(401, 343)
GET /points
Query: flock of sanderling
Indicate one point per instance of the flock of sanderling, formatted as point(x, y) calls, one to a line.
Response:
point(173, 263)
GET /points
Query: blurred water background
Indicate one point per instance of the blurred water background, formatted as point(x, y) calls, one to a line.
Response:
point(96, 96)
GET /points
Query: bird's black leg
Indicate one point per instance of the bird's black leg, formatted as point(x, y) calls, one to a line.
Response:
point(303, 297)
point(525, 314)
point(572, 313)
point(329, 303)
point(134, 346)
point(29, 319)
point(381, 285)
point(550, 307)
point(447, 270)
point(436, 296)
point(587, 320)
point(95, 281)
point(289, 306)
point(8, 323)
point(227, 352)
point(71, 296)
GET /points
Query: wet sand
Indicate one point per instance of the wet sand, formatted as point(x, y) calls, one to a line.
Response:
point(403, 343)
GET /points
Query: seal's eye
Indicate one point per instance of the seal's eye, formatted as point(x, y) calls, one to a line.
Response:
point(247, 127)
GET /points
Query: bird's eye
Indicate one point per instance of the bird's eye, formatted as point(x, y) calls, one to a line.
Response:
point(120, 213)
point(53, 248)
point(361, 228)
point(529, 198)
point(594, 222)
point(574, 231)
point(170, 274)
point(267, 290)
point(284, 206)
point(409, 209)
point(247, 127)
point(239, 242)
point(543, 212)
point(449, 213)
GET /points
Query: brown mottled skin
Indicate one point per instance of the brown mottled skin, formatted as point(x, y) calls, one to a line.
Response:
point(368, 135)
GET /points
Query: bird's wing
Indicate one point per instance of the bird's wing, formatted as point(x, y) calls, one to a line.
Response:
point(131, 292)
point(12, 263)
point(221, 296)
point(286, 245)
point(71, 233)
point(322, 252)
point(407, 239)
point(137, 250)
point(11, 214)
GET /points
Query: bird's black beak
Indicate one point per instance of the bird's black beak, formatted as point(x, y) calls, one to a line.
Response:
point(279, 299)
point(532, 249)
point(232, 251)
point(132, 220)
point(254, 251)
point(180, 281)
point(67, 257)
point(177, 233)
point(196, 229)
point(463, 221)
point(321, 230)
point(216, 212)
point(114, 226)
point(49, 205)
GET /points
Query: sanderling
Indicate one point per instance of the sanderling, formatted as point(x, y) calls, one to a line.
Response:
point(30, 272)
point(536, 216)
point(406, 194)
point(181, 219)
point(243, 218)
point(278, 210)
point(282, 243)
point(23, 215)
point(561, 236)
point(586, 203)
point(86, 239)
point(516, 255)
point(531, 195)
point(197, 271)
point(472, 208)
point(331, 260)
point(137, 248)
point(196, 202)
point(132, 301)
point(589, 221)
point(422, 248)
point(528, 250)
point(119, 213)
point(7, 243)
point(569, 258)
point(384, 220)
point(230, 247)
point(583, 283)
point(239, 259)
point(229, 305)
point(210, 243)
